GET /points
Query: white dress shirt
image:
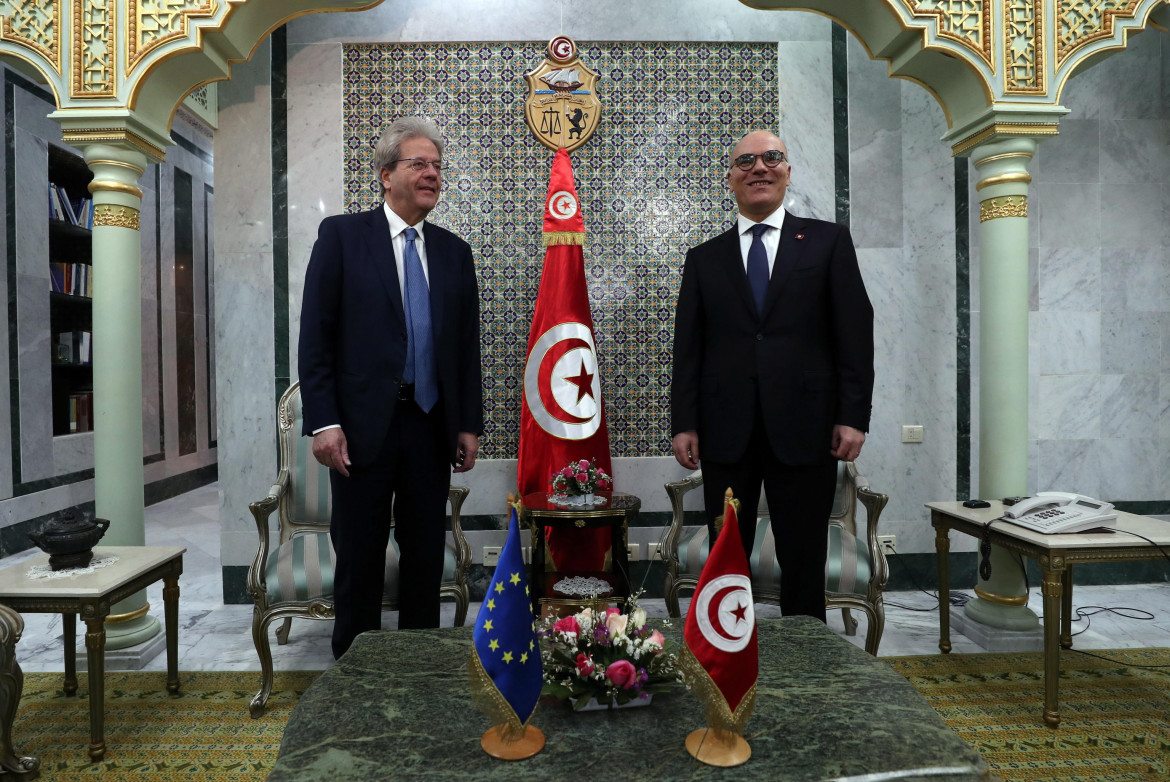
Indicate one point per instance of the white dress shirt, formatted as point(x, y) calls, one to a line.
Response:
point(771, 237)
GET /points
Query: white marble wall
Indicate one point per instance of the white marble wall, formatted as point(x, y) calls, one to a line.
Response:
point(903, 221)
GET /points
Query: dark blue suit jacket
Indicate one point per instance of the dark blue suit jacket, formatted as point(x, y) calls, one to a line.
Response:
point(353, 331)
point(806, 362)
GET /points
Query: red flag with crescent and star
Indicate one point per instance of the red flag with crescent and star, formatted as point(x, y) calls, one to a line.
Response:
point(722, 655)
point(562, 419)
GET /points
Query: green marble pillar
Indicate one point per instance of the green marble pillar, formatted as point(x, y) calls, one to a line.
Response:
point(117, 368)
point(1002, 188)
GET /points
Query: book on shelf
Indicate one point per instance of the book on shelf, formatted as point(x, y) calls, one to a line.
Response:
point(76, 279)
point(81, 412)
point(64, 208)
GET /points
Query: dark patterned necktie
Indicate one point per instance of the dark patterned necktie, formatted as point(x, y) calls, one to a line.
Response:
point(757, 267)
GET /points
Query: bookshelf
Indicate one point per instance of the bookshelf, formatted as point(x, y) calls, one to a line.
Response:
point(70, 215)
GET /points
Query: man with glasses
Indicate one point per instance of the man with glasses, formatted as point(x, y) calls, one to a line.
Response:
point(390, 381)
point(773, 367)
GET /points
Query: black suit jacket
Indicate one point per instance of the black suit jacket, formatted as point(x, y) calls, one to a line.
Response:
point(352, 347)
point(806, 362)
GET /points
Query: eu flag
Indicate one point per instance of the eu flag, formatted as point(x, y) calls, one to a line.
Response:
point(505, 631)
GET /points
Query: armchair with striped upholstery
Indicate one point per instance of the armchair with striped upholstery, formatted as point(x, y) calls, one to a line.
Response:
point(855, 573)
point(294, 578)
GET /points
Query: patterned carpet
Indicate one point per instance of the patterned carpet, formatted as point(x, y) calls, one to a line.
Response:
point(202, 734)
point(1115, 718)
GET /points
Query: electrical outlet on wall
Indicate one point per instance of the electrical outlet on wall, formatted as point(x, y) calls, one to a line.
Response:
point(652, 552)
point(491, 555)
point(633, 551)
point(889, 543)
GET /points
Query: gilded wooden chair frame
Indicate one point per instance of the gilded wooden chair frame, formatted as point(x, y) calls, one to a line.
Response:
point(856, 491)
point(280, 500)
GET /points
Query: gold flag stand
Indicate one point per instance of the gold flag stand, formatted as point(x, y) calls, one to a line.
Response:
point(718, 747)
point(528, 744)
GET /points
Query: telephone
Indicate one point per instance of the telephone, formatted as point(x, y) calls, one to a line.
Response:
point(1052, 512)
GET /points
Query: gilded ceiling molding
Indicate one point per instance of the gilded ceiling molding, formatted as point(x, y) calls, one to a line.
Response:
point(81, 137)
point(966, 22)
point(1081, 22)
point(153, 23)
point(1023, 47)
point(95, 34)
point(35, 24)
point(1004, 129)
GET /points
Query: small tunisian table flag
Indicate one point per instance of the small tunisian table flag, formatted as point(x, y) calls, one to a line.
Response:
point(562, 419)
point(721, 656)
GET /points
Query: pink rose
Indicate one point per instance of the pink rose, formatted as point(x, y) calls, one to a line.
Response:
point(657, 639)
point(616, 624)
point(610, 611)
point(582, 476)
point(622, 674)
point(567, 625)
point(567, 472)
point(582, 465)
point(585, 666)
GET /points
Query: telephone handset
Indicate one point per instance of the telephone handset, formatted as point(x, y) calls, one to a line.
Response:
point(1052, 512)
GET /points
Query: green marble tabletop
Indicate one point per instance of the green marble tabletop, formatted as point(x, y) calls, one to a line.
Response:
point(397, 706)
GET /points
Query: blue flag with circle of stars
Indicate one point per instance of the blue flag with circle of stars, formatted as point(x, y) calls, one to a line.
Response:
point(505, 631)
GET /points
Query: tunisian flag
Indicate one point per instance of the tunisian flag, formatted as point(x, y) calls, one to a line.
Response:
point(721, 660)
point(562, 419)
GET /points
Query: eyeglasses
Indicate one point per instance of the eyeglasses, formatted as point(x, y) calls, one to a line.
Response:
point(771, 158)
point(418, 164)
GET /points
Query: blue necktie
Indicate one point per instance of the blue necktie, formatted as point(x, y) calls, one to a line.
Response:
point(757, 267)
point(420, 342)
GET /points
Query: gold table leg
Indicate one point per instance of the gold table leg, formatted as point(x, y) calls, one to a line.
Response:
point(69, 633)
point(942, 550)
point(1066, 609)
point(1051, 588)
point(95, 648)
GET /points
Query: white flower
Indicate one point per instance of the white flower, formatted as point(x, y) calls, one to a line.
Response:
point(637, 618)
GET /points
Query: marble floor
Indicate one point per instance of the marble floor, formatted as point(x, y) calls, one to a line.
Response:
point(214, 636)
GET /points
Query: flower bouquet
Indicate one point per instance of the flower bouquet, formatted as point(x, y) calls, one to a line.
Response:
point(576, 483)
point(605, 656)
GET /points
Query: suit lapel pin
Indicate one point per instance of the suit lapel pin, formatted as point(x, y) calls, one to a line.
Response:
point(799, 236)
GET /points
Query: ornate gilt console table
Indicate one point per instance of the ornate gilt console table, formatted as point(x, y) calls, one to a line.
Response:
point(91, 595)
point(1056, 555)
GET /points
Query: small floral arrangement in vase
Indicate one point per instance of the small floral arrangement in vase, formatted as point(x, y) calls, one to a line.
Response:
point(605, 659)
point(576, 483)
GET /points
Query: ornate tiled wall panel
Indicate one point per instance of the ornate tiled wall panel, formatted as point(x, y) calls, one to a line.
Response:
point(651, 181)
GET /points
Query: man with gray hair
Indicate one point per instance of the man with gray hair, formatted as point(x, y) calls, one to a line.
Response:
point(390, 381)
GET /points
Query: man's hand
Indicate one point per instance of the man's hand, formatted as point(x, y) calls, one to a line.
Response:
point(685, 446)
point(330, 449)
point(847, 442)
point(466, 451)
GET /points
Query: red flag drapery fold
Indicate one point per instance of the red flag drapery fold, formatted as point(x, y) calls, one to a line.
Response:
point(722, 659)
point(562, 419)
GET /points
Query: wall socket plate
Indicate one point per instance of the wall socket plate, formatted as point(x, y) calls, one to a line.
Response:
point(633, 552)
point(652, 552)
point(913, 433)
point(888, 543)
point(491, 555)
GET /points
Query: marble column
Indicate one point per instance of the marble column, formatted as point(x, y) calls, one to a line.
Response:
point(117, 368)
point(1002, 166)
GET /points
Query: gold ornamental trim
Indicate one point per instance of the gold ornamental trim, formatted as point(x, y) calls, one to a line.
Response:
point(114, 619)
point(966, 22)
point(95, 33)
point(153, 23)
point(114, 186)
point(1004, 179)
point(115, 216)
point(35, 24)
point(1004, 129)
point(104, 162)
point(1081, 22)
point(84, 136)
point(1004, 156)
point(1024, 67)
point(1007, 206)
point(1018, 600)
